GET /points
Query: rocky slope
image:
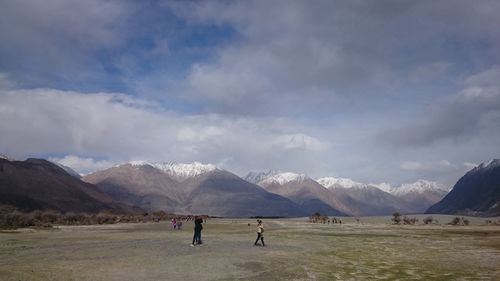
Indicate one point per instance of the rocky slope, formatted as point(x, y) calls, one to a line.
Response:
point(476, 193)
point(39, 184)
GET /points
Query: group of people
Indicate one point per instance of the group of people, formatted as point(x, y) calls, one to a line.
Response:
point(176, 224)
point(198, 227)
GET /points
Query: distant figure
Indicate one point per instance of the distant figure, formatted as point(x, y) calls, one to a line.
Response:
point(197, 231)
point(174, 223)
point(260, 233)
point(179, 225)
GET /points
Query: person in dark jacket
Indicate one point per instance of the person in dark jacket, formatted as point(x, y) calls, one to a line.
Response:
point(197, 231)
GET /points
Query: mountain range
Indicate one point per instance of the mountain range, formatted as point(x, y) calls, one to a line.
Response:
point(205, 188)
point(351, 197)
point(190, 188)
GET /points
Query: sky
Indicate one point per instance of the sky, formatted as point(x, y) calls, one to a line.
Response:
point(376, 91)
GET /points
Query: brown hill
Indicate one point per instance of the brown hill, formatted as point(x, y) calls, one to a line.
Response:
point(222, 193)
point(40, 184)
point(310, 195)
point(140, 185)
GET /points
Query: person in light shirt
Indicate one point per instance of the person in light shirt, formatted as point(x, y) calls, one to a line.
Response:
point(260, 233)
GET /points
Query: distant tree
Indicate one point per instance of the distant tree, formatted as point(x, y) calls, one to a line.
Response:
point(455, 221)
point(407, 220)
point(428, 220)
point(396, 218)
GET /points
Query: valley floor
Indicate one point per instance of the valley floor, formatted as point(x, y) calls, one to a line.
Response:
point(370, 249)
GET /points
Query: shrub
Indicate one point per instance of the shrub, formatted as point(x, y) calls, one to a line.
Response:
point(428, 220)
point(459, 221)
point(396, 218)
point(411, 221)
point(15, 219)
point(10, 218)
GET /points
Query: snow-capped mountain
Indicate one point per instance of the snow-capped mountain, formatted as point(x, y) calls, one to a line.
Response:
point(419, 187)
point(179, 171)
point(205, 190)
point(386, 187)
point(274, 177)
point(418, 196)
point(412, 197)
point(331, 182)
point(282, 178)
point(301, 189)
point(256, 177)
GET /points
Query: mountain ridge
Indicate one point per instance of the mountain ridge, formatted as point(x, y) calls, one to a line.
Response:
point(476, 193)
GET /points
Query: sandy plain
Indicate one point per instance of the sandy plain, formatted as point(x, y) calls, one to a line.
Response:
point(369, 249)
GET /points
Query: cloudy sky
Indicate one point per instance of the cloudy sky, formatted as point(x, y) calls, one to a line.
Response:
point(377, 91)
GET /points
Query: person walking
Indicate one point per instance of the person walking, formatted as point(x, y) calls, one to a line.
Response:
point(260, 233)
point(197, 231)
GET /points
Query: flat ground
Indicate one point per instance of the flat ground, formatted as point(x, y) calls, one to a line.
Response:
point(370, 249)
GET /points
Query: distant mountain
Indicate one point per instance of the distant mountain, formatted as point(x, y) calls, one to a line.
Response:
point(331, 182)
point(222, 193)
point(420, 195)
point(476, 193)
point(140, 185)
point(179, 171)
point(383, 199)
point(255, 177)
point(363, 199)
point(190, 188)
point(40, 184)
point(310, 195)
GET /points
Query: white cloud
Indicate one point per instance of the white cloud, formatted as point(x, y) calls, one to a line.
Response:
point(427, 166)
point(116, 127)
point(469, 165)
point(201, 134)
point(334, 71)
point(473, 111)
point(314, 54)
point(82, 165)
point(300, 142)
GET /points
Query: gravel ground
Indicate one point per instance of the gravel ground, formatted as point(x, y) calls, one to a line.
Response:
point(370, 249)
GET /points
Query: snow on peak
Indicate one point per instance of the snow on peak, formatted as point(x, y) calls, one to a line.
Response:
point(185, 171)
point(331, 182)
point(386, 187)
point(419, 186)
point(256, 177)
point(282, 178)
point(4, 157)
point(493, 163)
point(140, 163)
point(178, 170)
